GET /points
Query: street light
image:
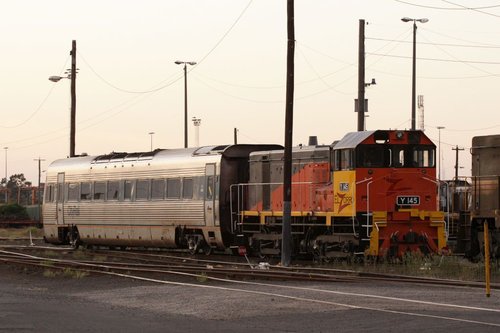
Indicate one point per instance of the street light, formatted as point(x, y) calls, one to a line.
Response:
point(71, 75)
point(185, 63)
point(439, 151)
point(414, 71)
point(151, 135)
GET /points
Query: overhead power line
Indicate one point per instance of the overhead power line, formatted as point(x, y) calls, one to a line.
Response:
point(163, 85)
point(39, 106)
point(437, 59)
point(446, 8)
point(439, 44)
point(471, 8)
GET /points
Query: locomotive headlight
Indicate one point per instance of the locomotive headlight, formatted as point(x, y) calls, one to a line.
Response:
point(399, 135)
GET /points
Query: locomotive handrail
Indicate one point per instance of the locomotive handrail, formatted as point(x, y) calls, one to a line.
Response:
point(368, 209)
point(240, 202)
point(367, 215)
point(447, 222)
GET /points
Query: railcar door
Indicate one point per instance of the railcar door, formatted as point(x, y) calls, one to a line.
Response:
point(210, 194)
point(59, 197)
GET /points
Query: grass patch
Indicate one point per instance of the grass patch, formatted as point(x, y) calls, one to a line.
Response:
point(412, 264)
point(47, 263)
point(21, 232)
point(49, 273)
point(74, 274)
point(202, 277)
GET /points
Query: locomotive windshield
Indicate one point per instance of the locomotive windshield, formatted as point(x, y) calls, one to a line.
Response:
point(395, 156)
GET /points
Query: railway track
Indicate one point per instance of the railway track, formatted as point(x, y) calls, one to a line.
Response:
point(188, 266)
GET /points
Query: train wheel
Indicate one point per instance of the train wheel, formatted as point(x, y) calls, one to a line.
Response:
point(74, 238)
point(207, 249)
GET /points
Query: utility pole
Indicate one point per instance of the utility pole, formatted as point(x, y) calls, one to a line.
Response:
point(361, 77)
point(456, 149)
point(235, 136)
point(286, 245)
point(38, 193)
point(73, 100)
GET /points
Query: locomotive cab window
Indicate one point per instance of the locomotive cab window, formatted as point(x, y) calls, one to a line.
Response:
point(344, 159)
point(372, 156)
point(424, 157)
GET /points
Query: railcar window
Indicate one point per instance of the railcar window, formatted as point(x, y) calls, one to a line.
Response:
point(200, 185)
point(210, 187)
point(187, 188)
point(173, 188)
point(73, 191)
point(85, 193)
point(60, 192)
point(113, 190)
point(158, 189)
point(142, 189)
point(127, 189)
point(99, 190)
point(48, 193)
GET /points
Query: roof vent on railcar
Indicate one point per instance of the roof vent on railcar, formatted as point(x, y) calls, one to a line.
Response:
point(209, 150)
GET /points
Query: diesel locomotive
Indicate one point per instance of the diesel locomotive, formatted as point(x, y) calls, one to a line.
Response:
point(372, 192)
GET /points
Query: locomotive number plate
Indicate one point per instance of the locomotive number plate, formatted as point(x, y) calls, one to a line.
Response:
point(404, 200)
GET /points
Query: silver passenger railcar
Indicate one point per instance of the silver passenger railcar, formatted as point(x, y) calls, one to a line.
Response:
point(164, 198)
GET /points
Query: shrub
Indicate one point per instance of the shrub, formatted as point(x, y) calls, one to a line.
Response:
point(13, 212)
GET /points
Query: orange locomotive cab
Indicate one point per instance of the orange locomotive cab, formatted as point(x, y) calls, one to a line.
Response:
point(395, 189)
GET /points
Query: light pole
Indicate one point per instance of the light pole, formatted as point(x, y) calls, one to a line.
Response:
point(196, 123)
point(414, 68)
point(6, 180)
point(151, 136)
point(71, 74)
point(439, 151)
point(185, 63)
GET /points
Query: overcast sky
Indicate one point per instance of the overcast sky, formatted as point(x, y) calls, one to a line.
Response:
point(128, 84)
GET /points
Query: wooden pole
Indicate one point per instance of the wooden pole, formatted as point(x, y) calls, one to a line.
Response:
point(286, 245)
point(73, 101)
point(361, 77)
